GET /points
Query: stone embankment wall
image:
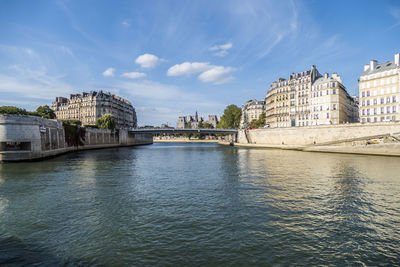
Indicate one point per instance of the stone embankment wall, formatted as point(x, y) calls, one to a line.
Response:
point(316, 135)
point(29, 137)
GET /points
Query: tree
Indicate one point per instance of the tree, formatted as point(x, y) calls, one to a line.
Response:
point(231, 117)
point(188, 125)
point(207, 125)
point(45, 112)
point(107, 121)
point(12, 110)
point(260, 122)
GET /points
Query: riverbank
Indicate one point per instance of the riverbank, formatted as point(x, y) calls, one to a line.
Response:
point(367, 139)
point(184, 141)
point(370, 149)
point(25, 138)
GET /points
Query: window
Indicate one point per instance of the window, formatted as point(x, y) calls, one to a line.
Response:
point(382, 100)
point(388, 99)
point(15, 146)
point(375, 101)
point(368, 93)
point(334, 91)
point(387, 109)
point(394, 109)
point(334, 106)
point(374, 111)
point(368, 102)
point(382, 110)
point(363, 103)
point(327, 115)
point(363, 112)
point(394, 100)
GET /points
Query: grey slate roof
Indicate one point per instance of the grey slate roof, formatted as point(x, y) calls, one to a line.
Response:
point(322, 80)
point(389, 65)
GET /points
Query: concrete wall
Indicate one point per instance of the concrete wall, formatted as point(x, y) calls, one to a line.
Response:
point(30, 137)
point(318, 134)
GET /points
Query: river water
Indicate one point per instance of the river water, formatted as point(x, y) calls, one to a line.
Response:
point(201, 204)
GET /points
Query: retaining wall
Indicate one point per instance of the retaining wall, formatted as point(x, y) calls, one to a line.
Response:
point(303, 136)
point(30, 137)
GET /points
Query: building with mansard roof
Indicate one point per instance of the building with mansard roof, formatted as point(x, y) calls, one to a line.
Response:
point(88, 107)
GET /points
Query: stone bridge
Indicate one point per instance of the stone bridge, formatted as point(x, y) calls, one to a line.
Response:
point(182, 131)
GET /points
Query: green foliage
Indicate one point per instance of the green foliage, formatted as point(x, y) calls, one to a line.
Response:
point(231, 117)
point(200, 125)
point(13, 110)
point(258, 123)
point(207, 125)
point(42, 111)
point(107, 121)
point(188, 125)
point(74, 133)
point(45, 112)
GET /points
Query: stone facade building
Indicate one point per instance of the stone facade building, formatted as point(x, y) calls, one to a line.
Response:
point(251, 110)
point(379, 89)
point(88, 107)
point(308, 98)
point(194, 121)
point(330, 102)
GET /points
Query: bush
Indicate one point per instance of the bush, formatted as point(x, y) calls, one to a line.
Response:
point(107, 121)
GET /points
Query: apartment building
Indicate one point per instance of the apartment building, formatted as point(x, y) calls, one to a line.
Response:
point(287, 102)
point(88, 107)
point(379, 88)
point(308, 98)
point(251, 110)
point(330, 102)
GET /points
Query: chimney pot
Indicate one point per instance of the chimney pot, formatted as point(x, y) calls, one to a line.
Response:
point(372, 64)
point(397, 59)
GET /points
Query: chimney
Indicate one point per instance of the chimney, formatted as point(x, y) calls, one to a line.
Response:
point(337, 77)
point(366, 67)
point(326, 75)
point(397, 59)
point(372, 64)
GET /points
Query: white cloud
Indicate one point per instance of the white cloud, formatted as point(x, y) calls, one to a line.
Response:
point(217, 75)
point(126, 22)
point(221, 50)
point(147, 61)
point(209, 73)
point(109, 72)
point(133, 75)
point(188, 68)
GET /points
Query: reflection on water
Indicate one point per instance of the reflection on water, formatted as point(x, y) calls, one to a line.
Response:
point(201, 204)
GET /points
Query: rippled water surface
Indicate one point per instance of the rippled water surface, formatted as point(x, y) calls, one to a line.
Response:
point(201, 204)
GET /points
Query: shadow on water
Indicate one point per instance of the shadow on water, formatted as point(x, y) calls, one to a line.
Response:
point(16, 252)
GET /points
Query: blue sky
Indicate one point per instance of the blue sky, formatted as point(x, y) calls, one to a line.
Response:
point(171, 58)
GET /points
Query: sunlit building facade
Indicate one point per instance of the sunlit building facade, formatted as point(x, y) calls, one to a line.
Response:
point(379, 88)
point(88, 107)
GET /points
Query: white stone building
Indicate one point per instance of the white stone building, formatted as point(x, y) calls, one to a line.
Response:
point(88, 107)
point(379, 91)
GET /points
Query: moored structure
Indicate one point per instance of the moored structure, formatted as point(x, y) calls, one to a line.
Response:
point(379, 89)
point(88, 107)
